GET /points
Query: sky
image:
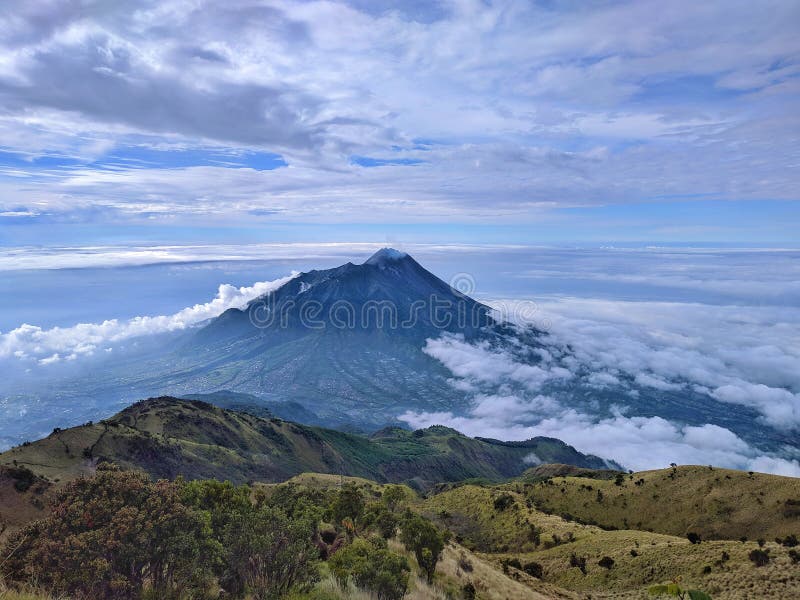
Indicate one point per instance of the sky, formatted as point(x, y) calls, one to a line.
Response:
point(184, 122)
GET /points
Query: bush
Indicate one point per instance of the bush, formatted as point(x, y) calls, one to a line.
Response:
point(533, 569)
point(693, 537)
point(468, 592)
point(422, 538)
point(110, 535)
point(23, 477)
point(794, 555)
point(606, 562)
point(267, 554)
point(372, 567)
point(503, 501)
point(759, 558)
point(578, 561)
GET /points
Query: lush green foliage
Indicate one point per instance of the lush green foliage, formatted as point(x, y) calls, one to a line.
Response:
point(422, 538)
point(370, 565)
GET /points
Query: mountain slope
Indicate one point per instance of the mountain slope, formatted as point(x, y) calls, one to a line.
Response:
point(714, 503)
point(167, 437)
point(503, 524)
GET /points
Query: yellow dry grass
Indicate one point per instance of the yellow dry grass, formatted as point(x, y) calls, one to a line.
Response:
point(717, 503)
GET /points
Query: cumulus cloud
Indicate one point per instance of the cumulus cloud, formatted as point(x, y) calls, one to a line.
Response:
point(48, 346)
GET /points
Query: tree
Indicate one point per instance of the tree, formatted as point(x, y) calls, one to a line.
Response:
point(109, 535)
point(422, 538)
point(370, 565)
point(269, 555)
point(393, 495)
point(348, 505)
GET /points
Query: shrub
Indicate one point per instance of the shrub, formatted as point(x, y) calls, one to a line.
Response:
point(534, 534)
point(373, 567)
point(759, 558)
point(606, 562)
point(693, 537)
point(393, 495)
point(503, 501)
point(422, 538)
point(465, 564)
point(267, 554)
point(23, 478)
point(794, 555)
point(790, 541)
point(468, 592)
point(533, 569)
point(578, 561)
point(109, 535)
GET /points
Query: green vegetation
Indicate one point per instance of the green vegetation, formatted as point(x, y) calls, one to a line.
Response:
point(167, 437)
point(557, 531)
point(424, 540)
point(371, 566)
point(118, 534)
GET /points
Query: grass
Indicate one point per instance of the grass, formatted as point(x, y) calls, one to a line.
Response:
point(715, 503)
point(641, 558)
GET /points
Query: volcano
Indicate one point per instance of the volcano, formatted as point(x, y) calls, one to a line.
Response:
point(346, 343)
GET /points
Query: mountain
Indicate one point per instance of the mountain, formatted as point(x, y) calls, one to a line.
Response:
point(350, 348)
point(167, 437)
point(346, 344)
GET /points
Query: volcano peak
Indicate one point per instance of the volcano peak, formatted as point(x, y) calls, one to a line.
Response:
point(385, 256)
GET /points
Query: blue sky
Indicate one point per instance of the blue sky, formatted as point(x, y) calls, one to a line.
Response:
point(442, 122)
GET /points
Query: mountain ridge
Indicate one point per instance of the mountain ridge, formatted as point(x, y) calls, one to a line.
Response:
point(167, 437)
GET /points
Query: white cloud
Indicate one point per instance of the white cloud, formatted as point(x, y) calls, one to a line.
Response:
point(718, 351)
point(638, 443)
point(518, 106)
point(49, 346)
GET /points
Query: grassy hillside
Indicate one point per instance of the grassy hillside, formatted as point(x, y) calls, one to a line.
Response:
point(715, 503)
point(503, 524)
point(167, 437)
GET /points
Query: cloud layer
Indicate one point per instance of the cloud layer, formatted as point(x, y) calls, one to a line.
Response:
point(550, 384)
point(497, 110)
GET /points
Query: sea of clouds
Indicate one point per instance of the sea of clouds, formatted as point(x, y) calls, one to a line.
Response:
point(734, 354)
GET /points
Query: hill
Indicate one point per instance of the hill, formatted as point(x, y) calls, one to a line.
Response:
point(503, 525)
point(167, 437)
point(714, 503)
